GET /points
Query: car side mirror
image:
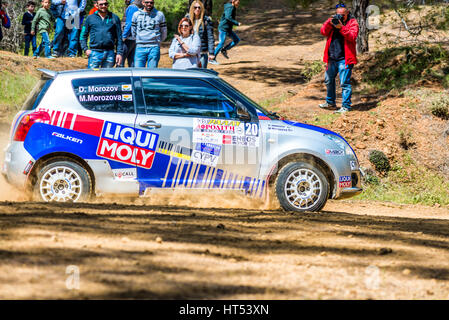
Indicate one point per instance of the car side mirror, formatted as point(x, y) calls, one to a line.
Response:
point(242, 113)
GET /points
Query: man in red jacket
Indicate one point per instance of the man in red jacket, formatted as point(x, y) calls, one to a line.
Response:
point(340, 56)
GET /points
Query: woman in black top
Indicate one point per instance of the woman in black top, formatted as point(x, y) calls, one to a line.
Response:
point(203, 26)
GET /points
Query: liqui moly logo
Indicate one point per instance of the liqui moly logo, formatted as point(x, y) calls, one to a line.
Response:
point(127, 144)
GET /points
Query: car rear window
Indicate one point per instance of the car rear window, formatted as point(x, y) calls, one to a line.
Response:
point(36, 95)
point(112, 94)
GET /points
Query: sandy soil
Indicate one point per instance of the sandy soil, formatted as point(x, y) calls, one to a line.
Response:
point(199, 247)
point(351, 250)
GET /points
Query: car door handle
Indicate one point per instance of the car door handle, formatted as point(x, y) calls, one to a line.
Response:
point(150, 124)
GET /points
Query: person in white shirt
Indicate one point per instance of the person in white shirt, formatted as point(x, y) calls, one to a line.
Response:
point(185, 48)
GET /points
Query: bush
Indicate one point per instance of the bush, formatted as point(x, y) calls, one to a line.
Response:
point(395, 68)
point(379, 160)
point(311, 69)
point(440, 108)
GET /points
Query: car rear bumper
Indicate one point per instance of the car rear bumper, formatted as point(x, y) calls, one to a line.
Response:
point(16, 163)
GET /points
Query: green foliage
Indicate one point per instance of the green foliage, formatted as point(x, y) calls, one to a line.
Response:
point(395, 68)
point(14, 89)
point(312, 68)
point(440, 108)
point(429, 101)
point(379, 160)
point(408, 183)
point(325, 119)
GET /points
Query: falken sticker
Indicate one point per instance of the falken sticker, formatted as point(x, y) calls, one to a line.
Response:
point(335, 152)
point(344, 182)
point(68, 138)
point(125, 174)
point(127, 145)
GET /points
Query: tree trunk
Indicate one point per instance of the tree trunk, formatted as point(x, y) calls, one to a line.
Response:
point(359, 12)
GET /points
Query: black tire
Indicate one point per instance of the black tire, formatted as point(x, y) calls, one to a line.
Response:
point(74, 186)
point(298, 195)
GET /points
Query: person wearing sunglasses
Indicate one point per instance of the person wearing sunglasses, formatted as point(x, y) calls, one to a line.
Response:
point(208, 5)
point(149, 28)
point(203, 26)
point(185, 47)
point(105, 34)
point(340, 55)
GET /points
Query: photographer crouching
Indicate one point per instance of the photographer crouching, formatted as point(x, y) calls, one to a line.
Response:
point(340, 53)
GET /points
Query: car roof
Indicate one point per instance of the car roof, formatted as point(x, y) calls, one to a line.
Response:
point(193, 72)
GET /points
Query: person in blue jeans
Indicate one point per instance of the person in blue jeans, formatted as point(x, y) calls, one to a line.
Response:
point(43, 21)
point(340, 56)
point(105, 33)
point(149, 28)
point(27, 20)
point(227, 21)
point(68, 23)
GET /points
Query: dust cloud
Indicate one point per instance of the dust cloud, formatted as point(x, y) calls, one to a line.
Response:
point(195, 199)
point(7, 191)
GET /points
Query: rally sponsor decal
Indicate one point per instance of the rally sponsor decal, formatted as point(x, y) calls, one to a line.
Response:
point(28, 167)
point(68, 138)
point(218, 126)
point(241, 140)
point(206, 153)
point(279, 127)
point(207, 137)
point(125, 174)
point(127, 145)
point(353, 165)
point(344, 182)
point(219, 132)
point(174, 150)
point(335, 152)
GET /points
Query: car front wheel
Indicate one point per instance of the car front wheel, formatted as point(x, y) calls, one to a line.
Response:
point(63, 181)
point(301, 186)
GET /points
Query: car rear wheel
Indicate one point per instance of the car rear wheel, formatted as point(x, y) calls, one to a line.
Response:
point(301, 186)
point(63, 181)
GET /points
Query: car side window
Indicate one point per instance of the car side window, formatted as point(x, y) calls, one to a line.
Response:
point(186, 97)
point(112, 94)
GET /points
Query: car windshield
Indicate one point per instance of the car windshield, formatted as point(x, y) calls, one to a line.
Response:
point(249, 100)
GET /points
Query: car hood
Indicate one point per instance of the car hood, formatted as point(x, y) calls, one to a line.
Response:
point(311, 127)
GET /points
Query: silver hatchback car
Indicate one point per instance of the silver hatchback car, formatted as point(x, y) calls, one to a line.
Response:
point(132, 131)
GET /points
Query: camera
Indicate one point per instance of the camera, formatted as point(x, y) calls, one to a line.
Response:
point(336, 19)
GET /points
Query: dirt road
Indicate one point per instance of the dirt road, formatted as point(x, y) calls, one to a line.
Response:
point(349, 251)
